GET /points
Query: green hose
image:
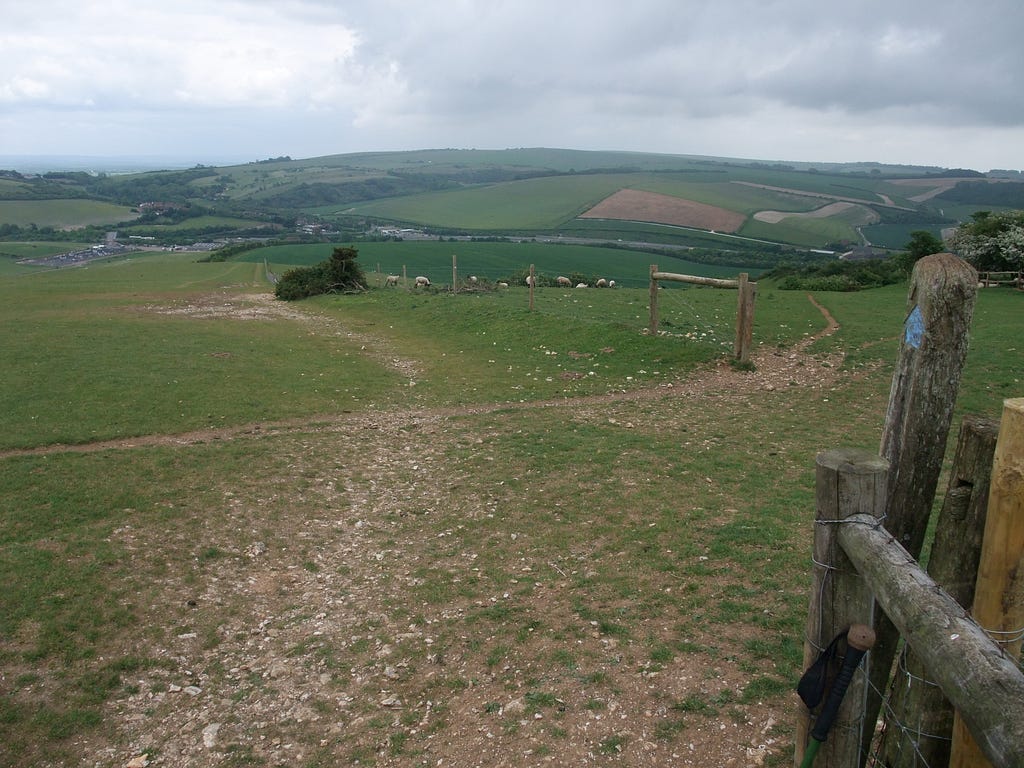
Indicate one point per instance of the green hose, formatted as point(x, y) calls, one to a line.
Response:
point(812, 750)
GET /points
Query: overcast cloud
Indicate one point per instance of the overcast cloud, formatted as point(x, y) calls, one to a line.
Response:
point(930, 82)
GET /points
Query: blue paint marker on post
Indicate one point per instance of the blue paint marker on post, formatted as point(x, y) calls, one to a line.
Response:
point(914, 328)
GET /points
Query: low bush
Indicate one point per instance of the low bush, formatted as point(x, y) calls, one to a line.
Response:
point(339, 274)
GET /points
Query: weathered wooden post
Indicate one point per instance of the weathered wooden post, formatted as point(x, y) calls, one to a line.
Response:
point(999, 596)
point(849, 482)
point(455, 274)
point(744, 318)
point(933, 347)
point(919, 718)
point(533, 282)
point(652, 326)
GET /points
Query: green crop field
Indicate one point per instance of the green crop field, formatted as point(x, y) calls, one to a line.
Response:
point(63, 213)
point(532, 204)
point(401, 525)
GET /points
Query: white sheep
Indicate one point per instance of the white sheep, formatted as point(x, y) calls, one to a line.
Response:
point(503, 284)
point(611, 283)
point(391, 280)
point(422, 282)
point(582, 285)
point(602, 283)
point(531, 280)
point(472, 280)
point(563, 282)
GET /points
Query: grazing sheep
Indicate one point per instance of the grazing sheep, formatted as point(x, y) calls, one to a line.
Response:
point(471, 280)
point(602, 283)
point(391, 280)
point(611, 283)
point(563, 282)
point(503, 284)
point(582, 285)
point(531, 280)
point(422, 282)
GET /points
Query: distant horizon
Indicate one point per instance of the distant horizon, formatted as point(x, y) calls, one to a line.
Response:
point(138, 163)
point(38, 162)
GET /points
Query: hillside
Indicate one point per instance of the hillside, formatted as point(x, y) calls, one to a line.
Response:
point(683, 200)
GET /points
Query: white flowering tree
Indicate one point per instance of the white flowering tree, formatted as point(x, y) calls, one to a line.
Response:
point(992, 241)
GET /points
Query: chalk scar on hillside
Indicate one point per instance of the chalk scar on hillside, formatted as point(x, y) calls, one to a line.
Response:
point(262, 306)
point(833, 209)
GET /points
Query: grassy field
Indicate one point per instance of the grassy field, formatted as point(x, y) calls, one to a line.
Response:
point(494, 261)
point(62, 213)
point(403, 527)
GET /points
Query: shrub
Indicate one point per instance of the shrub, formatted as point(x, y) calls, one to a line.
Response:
point(339, 274)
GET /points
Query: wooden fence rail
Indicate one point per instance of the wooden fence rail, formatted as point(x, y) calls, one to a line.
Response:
point(859, 565)
point(984, 684)
point(988, 279)
point(744, 308)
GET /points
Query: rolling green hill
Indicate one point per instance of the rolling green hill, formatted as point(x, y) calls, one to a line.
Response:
point(526, 191)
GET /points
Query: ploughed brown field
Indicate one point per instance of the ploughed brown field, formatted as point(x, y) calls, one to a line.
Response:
point(636, 205)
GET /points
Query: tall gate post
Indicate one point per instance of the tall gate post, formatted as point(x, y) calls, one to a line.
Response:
point(999, 597)
point(919, 717)
point(925, 383)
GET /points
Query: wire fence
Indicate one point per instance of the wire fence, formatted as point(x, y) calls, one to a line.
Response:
point(896, 741)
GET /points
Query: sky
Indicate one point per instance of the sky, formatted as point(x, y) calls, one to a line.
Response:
point(922, 82)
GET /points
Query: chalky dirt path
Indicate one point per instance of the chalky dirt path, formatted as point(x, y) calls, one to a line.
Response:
point(295, 646)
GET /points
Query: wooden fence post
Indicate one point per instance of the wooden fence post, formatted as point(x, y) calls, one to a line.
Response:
point(849, 482)
point(652, 326)
point(455, 274)
point(999, 597)
point(533, 282)
point(919, 718)
point(925, 384)
point(744, 318)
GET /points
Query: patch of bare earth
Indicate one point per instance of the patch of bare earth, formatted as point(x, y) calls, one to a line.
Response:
point(263, 306)
point(343, 620)
point(635, 205)
point(832, 209)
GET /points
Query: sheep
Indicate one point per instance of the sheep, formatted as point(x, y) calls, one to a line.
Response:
point(391, 280)
point(582, 285)
point(602, 283)
point(503, 284)
point(611, 283)
point(471, 280)
point(531, 280)
point(563, 282)
point(422, 282)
